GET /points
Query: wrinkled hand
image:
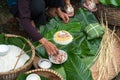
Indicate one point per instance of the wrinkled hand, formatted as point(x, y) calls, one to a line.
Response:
point(50, 48)
point(69, 10)
point(63, 15)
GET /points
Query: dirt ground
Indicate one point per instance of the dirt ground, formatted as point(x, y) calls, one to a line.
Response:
point(11, 26)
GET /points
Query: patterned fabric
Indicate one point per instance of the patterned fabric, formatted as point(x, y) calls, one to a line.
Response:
point(94, 30)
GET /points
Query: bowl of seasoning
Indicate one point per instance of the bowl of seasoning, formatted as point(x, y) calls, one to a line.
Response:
point(44, 63)
point(3, 49)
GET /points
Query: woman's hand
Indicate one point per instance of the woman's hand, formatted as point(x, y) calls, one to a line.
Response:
point(50, 48)
point(69, 10)
point(62, 15)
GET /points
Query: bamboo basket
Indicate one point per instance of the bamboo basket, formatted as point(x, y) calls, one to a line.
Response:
point(12, 75)
point(48, 73)
point(112, 14)
point(35, 62)
point(51, 74)
point(112, 73)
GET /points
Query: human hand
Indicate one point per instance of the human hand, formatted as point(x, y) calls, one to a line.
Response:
point(69, 10)
point(62, 15)
point(50, 48)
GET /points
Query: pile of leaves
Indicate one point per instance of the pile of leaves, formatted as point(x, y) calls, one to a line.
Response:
point(81, 52)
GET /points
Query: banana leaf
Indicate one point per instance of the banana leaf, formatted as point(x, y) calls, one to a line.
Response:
point(111, 2)
point(81, 52)
point(2, 38)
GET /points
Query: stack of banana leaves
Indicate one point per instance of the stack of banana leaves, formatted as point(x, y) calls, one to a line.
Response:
point(81, 51)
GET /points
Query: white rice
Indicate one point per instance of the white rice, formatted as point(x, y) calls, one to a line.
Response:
point(8, 61)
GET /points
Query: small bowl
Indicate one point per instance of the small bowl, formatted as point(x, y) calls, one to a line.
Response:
point(3, 49)
point(33, 76)
point(44, 63)
point(51, 57)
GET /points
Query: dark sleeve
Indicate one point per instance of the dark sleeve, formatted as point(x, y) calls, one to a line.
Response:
point(25, 20)
point(56, 3)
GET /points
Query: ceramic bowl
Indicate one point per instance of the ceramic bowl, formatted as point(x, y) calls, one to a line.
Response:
point(52, 58)
point(3, 49)
point(33, 76)
point(44, 63)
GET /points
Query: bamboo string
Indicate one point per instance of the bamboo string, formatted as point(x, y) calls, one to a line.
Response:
point(19, 56)
point(105, 55)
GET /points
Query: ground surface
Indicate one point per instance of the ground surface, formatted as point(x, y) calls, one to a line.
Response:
point(9, 25)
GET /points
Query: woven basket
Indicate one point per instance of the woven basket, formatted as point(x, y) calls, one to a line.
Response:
point(48, 73)
point(112, 14)
point(11, 75)
point(116, 54)
point(35, 62)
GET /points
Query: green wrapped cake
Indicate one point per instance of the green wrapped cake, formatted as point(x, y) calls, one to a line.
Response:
point(94, 30)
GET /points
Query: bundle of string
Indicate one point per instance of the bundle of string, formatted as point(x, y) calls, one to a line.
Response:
point(105, 54)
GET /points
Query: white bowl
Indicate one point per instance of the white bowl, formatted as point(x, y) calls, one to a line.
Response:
point(33, 76)
point(3, 49)
point(51, 57)
point(44, 63)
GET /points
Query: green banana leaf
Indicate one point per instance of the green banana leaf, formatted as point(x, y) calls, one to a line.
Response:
point(81, 52)
point(111, 2)
point(2, 38)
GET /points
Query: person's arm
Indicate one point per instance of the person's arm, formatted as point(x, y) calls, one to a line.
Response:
point(25, 20)
point(67, 2)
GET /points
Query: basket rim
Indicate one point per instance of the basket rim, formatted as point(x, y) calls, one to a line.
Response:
point(28, 63)
point(45, 70)
point(118, 40)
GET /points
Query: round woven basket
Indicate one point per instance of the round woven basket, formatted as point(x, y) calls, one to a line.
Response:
point(12, 75)
point(48, 73)
point(112, 73)
point(111, 13)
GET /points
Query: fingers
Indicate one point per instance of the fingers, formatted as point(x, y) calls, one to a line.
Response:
point(51, 48)
point(54, 49)
point(65, 18)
